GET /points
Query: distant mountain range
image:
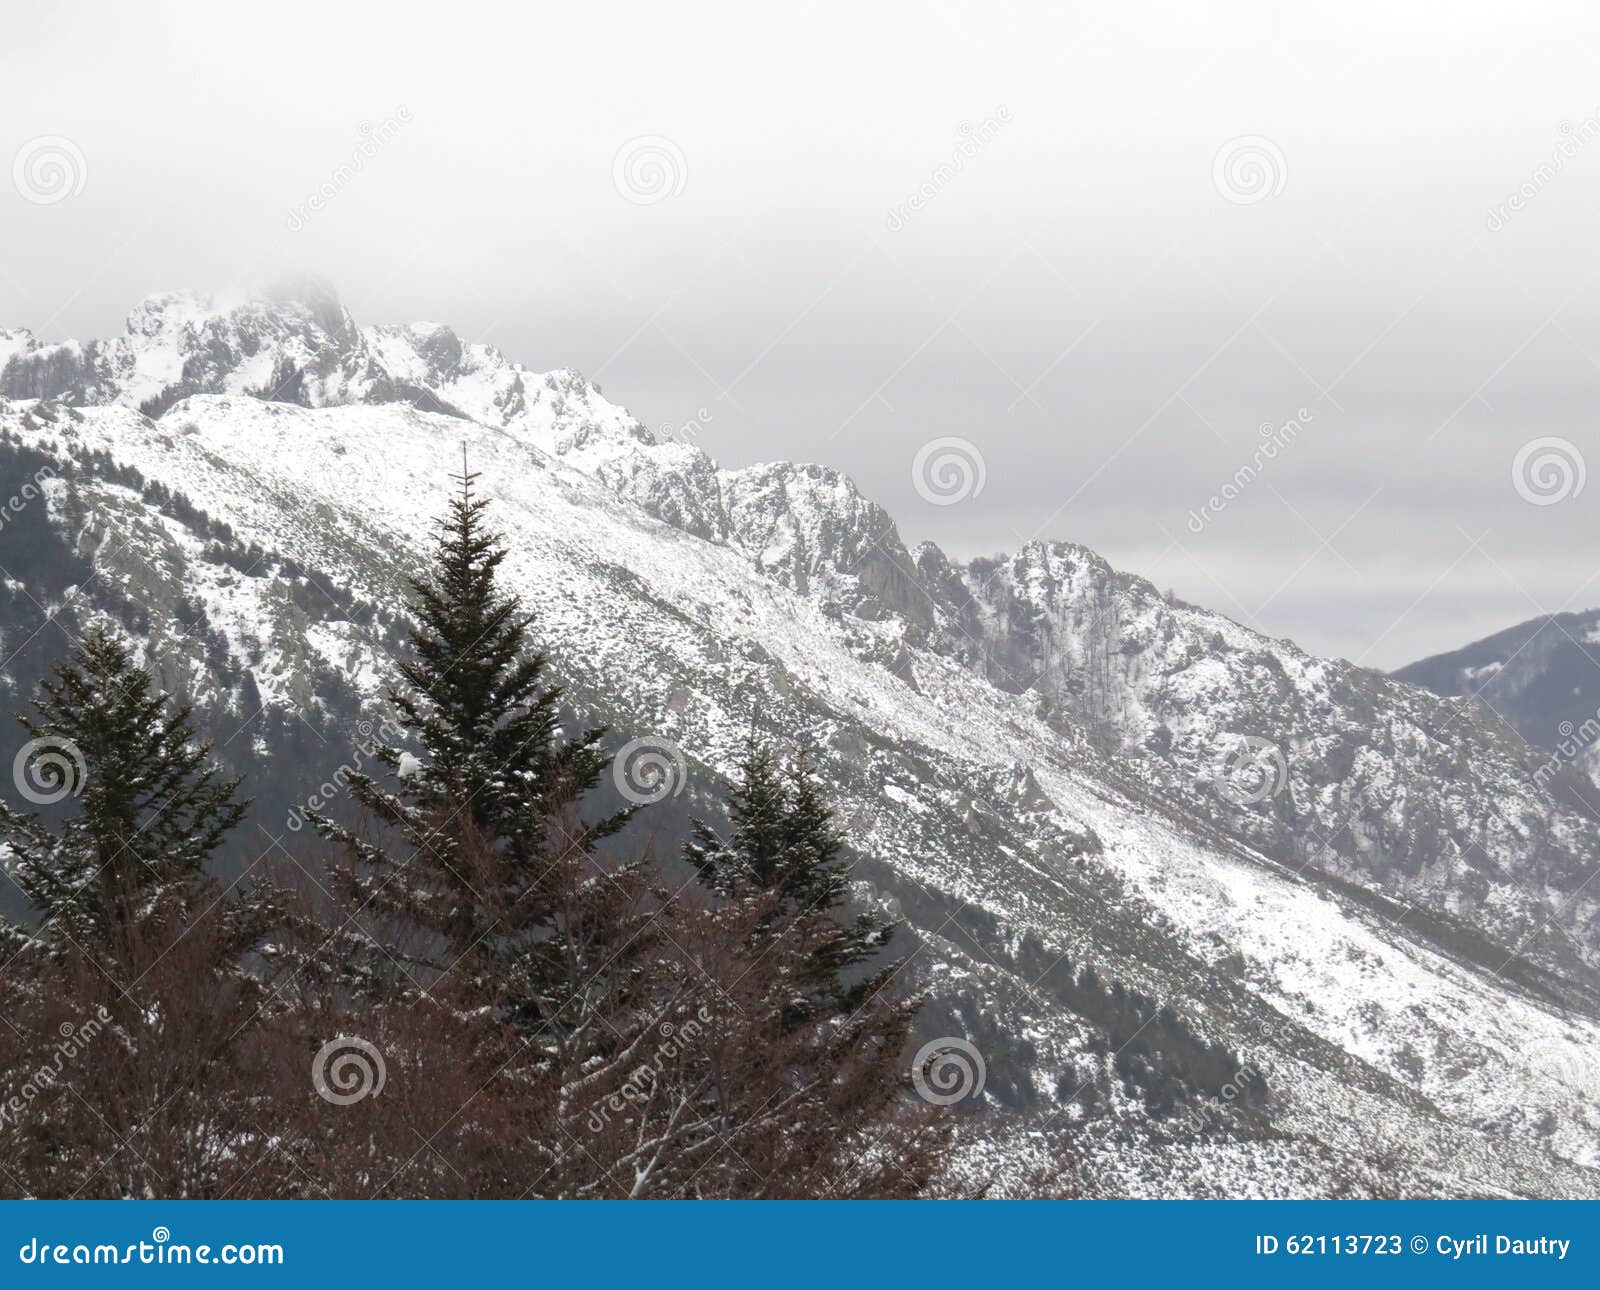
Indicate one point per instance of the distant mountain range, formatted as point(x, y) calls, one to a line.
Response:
point(1541, 677)
point(1370, 892)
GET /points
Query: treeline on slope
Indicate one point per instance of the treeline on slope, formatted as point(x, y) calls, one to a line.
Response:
point(1157, 1054)
point(52, 577)
point(463, 1000)
point(223, 546)
point(1159, 1060)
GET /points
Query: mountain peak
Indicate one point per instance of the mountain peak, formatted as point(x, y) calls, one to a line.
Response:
point(298, 305)
point(309, 289)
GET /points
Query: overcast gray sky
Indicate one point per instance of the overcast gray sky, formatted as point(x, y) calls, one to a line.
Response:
point(1103, 244)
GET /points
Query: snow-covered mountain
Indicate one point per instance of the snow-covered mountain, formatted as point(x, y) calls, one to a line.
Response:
point(1352, 888)
point(1541, 678)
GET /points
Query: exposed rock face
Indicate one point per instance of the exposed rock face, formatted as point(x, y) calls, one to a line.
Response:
point(1431, 799)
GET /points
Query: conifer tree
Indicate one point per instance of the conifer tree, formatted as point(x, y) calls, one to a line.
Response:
point(785, 841)
point(476, 809)
point(754, 854)
point(152, 806)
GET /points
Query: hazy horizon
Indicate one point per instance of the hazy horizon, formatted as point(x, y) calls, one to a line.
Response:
point(1104, 249)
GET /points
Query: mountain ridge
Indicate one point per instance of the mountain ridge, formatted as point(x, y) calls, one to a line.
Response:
point(1540, 676)
point(1180, 692)
point(1013, 831)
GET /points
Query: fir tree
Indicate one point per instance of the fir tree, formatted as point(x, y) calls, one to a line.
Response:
point(479, 810)
point(152, 806)
point(755, 853)
point(785, 841)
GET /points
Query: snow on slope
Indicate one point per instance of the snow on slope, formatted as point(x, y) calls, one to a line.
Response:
point(682, 639)
point(1431, 800)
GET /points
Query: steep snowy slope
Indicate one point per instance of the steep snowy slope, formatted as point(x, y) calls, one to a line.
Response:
point(1314, 761)
point(1007, 842)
